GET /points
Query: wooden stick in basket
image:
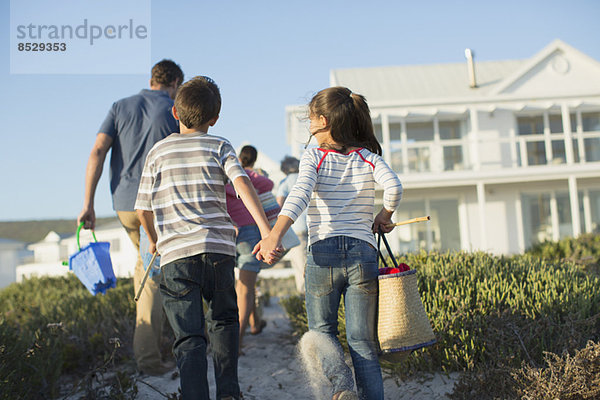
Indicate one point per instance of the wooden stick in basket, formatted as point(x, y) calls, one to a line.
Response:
point(409, 221)
point(139, 293)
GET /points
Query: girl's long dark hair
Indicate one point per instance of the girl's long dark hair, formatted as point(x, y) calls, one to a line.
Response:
point(348, 117)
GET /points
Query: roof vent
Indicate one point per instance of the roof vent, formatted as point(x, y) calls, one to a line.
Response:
point(471, 67)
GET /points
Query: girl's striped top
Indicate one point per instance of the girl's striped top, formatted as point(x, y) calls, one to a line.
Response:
point(183, 183)
point(339, 191)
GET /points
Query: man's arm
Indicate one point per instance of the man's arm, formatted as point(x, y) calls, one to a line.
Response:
point(93, 172)
point(147, 220)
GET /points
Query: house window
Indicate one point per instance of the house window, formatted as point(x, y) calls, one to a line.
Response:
point(453, 158)
point(531, 125)
point(419, 131)
point(556, 125)
point(450, 130)
point(546, 217)
point(559, 155)
point(450, 138)
point(563, 208)
point(541, 144)
point(425, 146)
point(594, 196)
point(441, 233)
point(591, 131)
point(590, 122)
point(537, 219)
point(396, 146)
point(535, 146)
point(420, 141)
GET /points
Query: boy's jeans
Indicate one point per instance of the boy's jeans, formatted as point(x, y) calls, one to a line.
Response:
point(344, 265)
point(184, 284)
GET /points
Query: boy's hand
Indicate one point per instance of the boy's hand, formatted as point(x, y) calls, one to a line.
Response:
point(381, 220)
point(152, 248)
point(268, 250)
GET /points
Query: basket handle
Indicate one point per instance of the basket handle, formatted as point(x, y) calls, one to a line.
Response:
point(387, 246)
point(79, 229)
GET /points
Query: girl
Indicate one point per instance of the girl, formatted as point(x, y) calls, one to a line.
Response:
point(337, 183)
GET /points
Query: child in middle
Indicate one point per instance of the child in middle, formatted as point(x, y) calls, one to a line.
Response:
point(181, 204)
point(248, 235)
point(337, 183)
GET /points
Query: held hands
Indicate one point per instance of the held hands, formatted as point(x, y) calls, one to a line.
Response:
point(381, 220)
point(268, 250)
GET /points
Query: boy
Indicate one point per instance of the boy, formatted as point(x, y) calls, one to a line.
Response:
point(182, 195)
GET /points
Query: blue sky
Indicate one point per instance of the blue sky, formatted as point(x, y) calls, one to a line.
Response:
point(264, 55)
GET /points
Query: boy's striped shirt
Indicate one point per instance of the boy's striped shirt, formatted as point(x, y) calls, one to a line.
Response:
point(339, 191)
point(183, 184)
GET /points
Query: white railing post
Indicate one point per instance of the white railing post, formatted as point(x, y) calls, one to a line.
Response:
point(385, 134)
point(404, 142)
point(574, 200)
point(474, 139)
point(566, 119)
point(481, 206)
point(547, 139)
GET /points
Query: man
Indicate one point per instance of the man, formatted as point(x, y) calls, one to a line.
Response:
point(133, 125)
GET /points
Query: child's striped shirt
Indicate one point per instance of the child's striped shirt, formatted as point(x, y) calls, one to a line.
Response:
point(339, 191)
point(183, 183)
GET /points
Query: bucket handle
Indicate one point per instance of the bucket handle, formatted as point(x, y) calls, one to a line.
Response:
point(389, 250)
point(79, 229)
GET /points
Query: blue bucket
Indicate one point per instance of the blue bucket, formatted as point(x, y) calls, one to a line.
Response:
point(93, 266)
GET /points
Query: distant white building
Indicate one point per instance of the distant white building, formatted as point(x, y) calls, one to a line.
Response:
point(49, 253)
point(12, 253)
point(501, 158)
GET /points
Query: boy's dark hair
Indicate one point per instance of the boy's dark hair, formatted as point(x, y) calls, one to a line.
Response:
point(348, 117)
point(248, 155)
point(166, 72)
point(197, 101)
point(290, 165)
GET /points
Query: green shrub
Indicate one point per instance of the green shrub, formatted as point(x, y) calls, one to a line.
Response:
point(54, 326)
point(583, 250)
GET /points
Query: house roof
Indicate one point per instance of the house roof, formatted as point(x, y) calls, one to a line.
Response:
point(568, 70)
point(415, 82)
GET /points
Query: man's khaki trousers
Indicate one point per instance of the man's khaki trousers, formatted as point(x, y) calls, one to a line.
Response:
point(149, 312)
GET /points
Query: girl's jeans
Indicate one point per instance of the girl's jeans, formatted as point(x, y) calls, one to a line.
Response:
point(185, 284)
point(346, 266)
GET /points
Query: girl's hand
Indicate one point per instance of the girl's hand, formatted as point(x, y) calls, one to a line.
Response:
point(381, 220)
point(268, 250)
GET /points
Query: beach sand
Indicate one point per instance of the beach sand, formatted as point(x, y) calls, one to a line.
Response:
point(270, 369)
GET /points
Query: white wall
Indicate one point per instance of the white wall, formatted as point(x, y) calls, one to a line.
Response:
point(12, 253)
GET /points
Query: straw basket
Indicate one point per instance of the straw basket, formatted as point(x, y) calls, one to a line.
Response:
point(93, 266)
point(402, 324)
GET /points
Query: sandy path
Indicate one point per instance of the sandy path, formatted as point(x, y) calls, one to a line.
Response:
point(270, 370)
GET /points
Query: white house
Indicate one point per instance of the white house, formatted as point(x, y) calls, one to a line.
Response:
point(12, 253)
point(49, 253)
point(501, 154)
